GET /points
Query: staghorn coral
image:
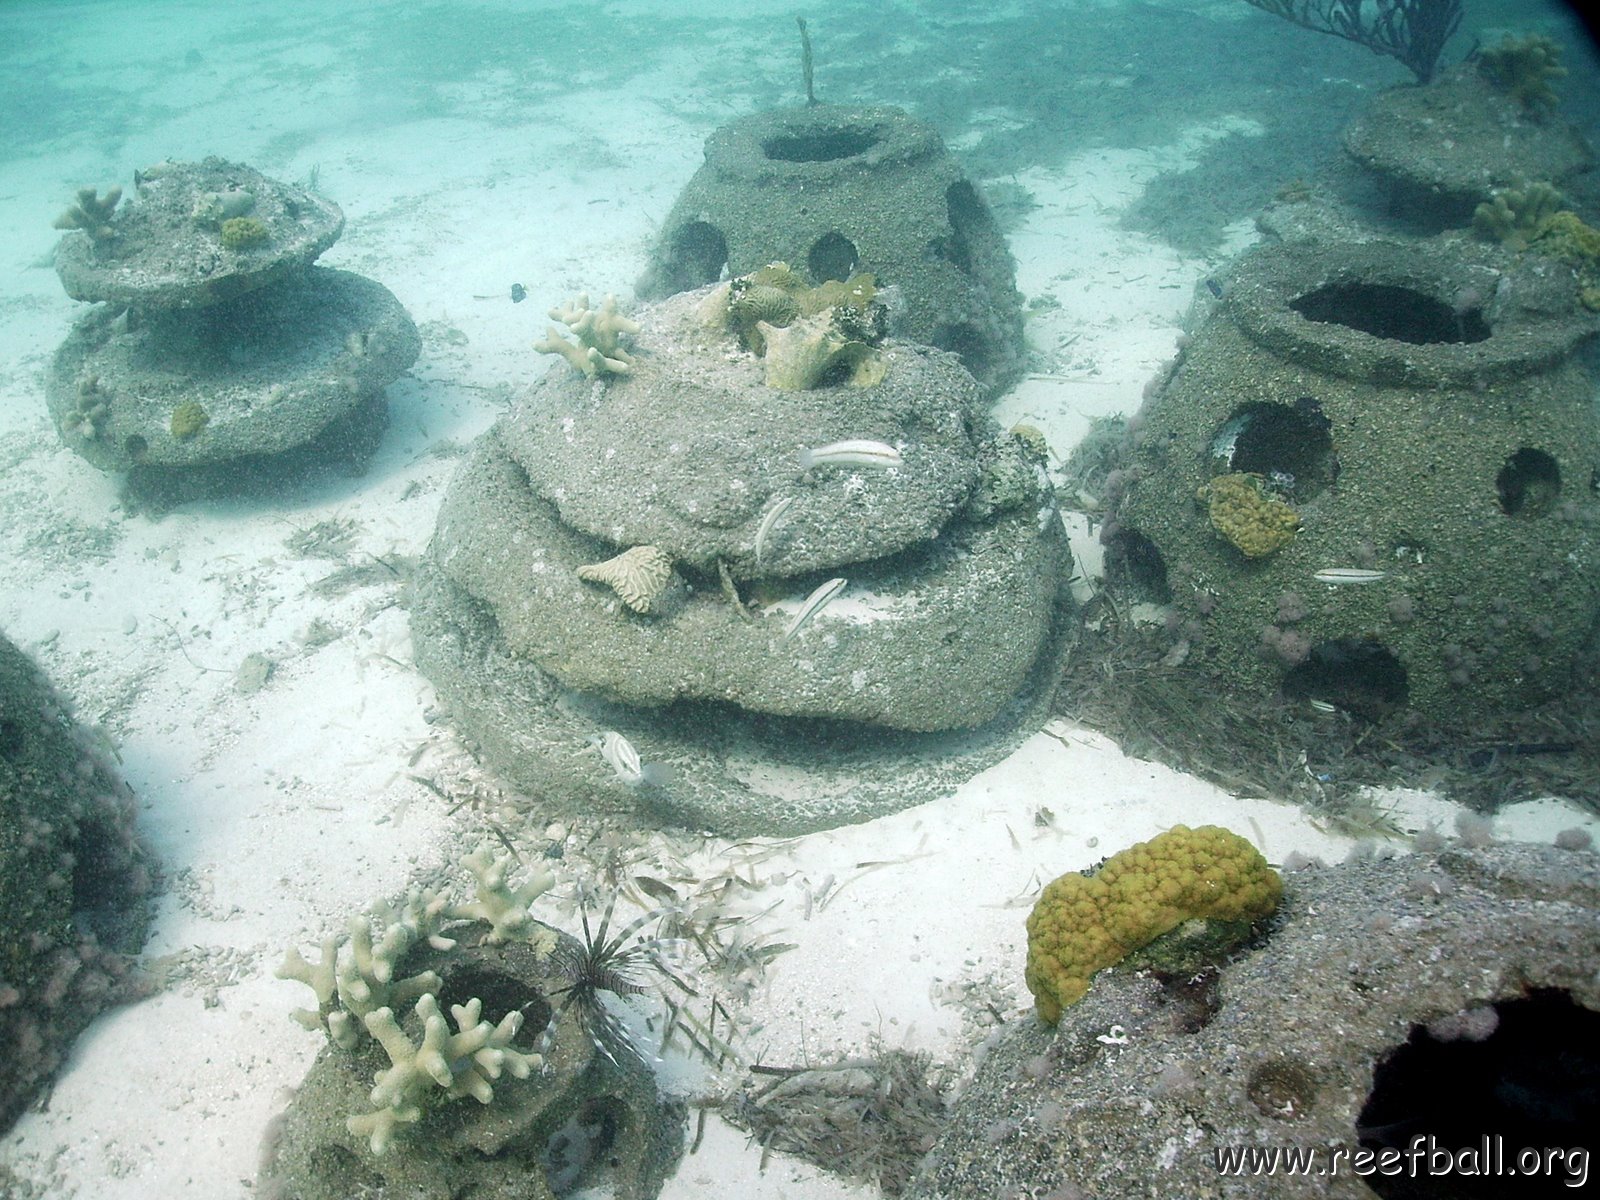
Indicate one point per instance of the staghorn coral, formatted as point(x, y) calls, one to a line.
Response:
point(1083, 923)
point(92, 411)
point(92, 213)
point(497, 903)
point(639, 576)
point(1252, 520)
point(1523, 68)
point(464, 1063)
point(357, 994)
point(598, 350)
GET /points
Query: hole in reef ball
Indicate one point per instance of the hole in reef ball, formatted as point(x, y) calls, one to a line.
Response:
point(821, 145)
point(501, 993)
point(1522, 1073)
point(1398, 314)
point(696, 256)
point(1360, 675)
point(1528, 484)
point(832, 256)
point(1288, 445)
point(1133, 557)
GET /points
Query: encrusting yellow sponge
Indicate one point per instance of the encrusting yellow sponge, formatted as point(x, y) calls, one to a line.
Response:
point(1084, 923)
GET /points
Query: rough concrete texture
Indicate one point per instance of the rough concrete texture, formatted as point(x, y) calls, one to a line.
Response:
point(1444, 148)
point(167, 249)
point(729, 771)
point(74, 881)
point(580, 1121)
point(834, 189)
point(1427, 410)
point(937, 638)
point(1143, 1081)
point(691, 449)
point(271, 371)
point(944, 612)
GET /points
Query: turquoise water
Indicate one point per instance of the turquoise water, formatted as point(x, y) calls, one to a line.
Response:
point(474, 149)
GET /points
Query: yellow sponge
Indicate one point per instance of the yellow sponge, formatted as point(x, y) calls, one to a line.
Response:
point(1084, 923)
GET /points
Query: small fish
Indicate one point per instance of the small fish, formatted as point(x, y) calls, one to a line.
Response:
point(619, 753)
point(1338, 575)
point(854, 453)
point(773, 516)
point(814, 604)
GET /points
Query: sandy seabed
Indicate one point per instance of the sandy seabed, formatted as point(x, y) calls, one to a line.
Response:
point(277, 813)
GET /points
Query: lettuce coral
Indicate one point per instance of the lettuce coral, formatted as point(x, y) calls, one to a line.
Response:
point(1084, 923)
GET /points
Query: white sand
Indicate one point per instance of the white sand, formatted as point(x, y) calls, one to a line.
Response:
point(278, 814)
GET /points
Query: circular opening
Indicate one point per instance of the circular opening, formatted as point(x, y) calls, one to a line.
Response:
point(1288, 445)
point(134, 446)
point(1397, 313)
point(969, 218)
point(832, 256)
point(501, 994)
point(821, 145)
point(968, 343)
point(1529, 484)
point(1520, 1075)
point(1358, 675)
point(696, 256)
point(1134, 558)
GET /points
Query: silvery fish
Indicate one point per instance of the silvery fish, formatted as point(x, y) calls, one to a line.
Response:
point(619, 753)
point(854, 453)
point(1338, 575)
point(814, 603)
point(773, 516)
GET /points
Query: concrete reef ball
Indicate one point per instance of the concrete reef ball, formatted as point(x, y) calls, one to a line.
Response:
point(834, 190)
point(1367, 479)
point(74, 881)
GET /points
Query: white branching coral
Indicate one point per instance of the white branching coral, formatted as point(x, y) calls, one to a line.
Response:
point(640, 576)
point(598, 350)
point(503, 907)
point(464, 1063)
point(354, 981)
point(356, 977)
